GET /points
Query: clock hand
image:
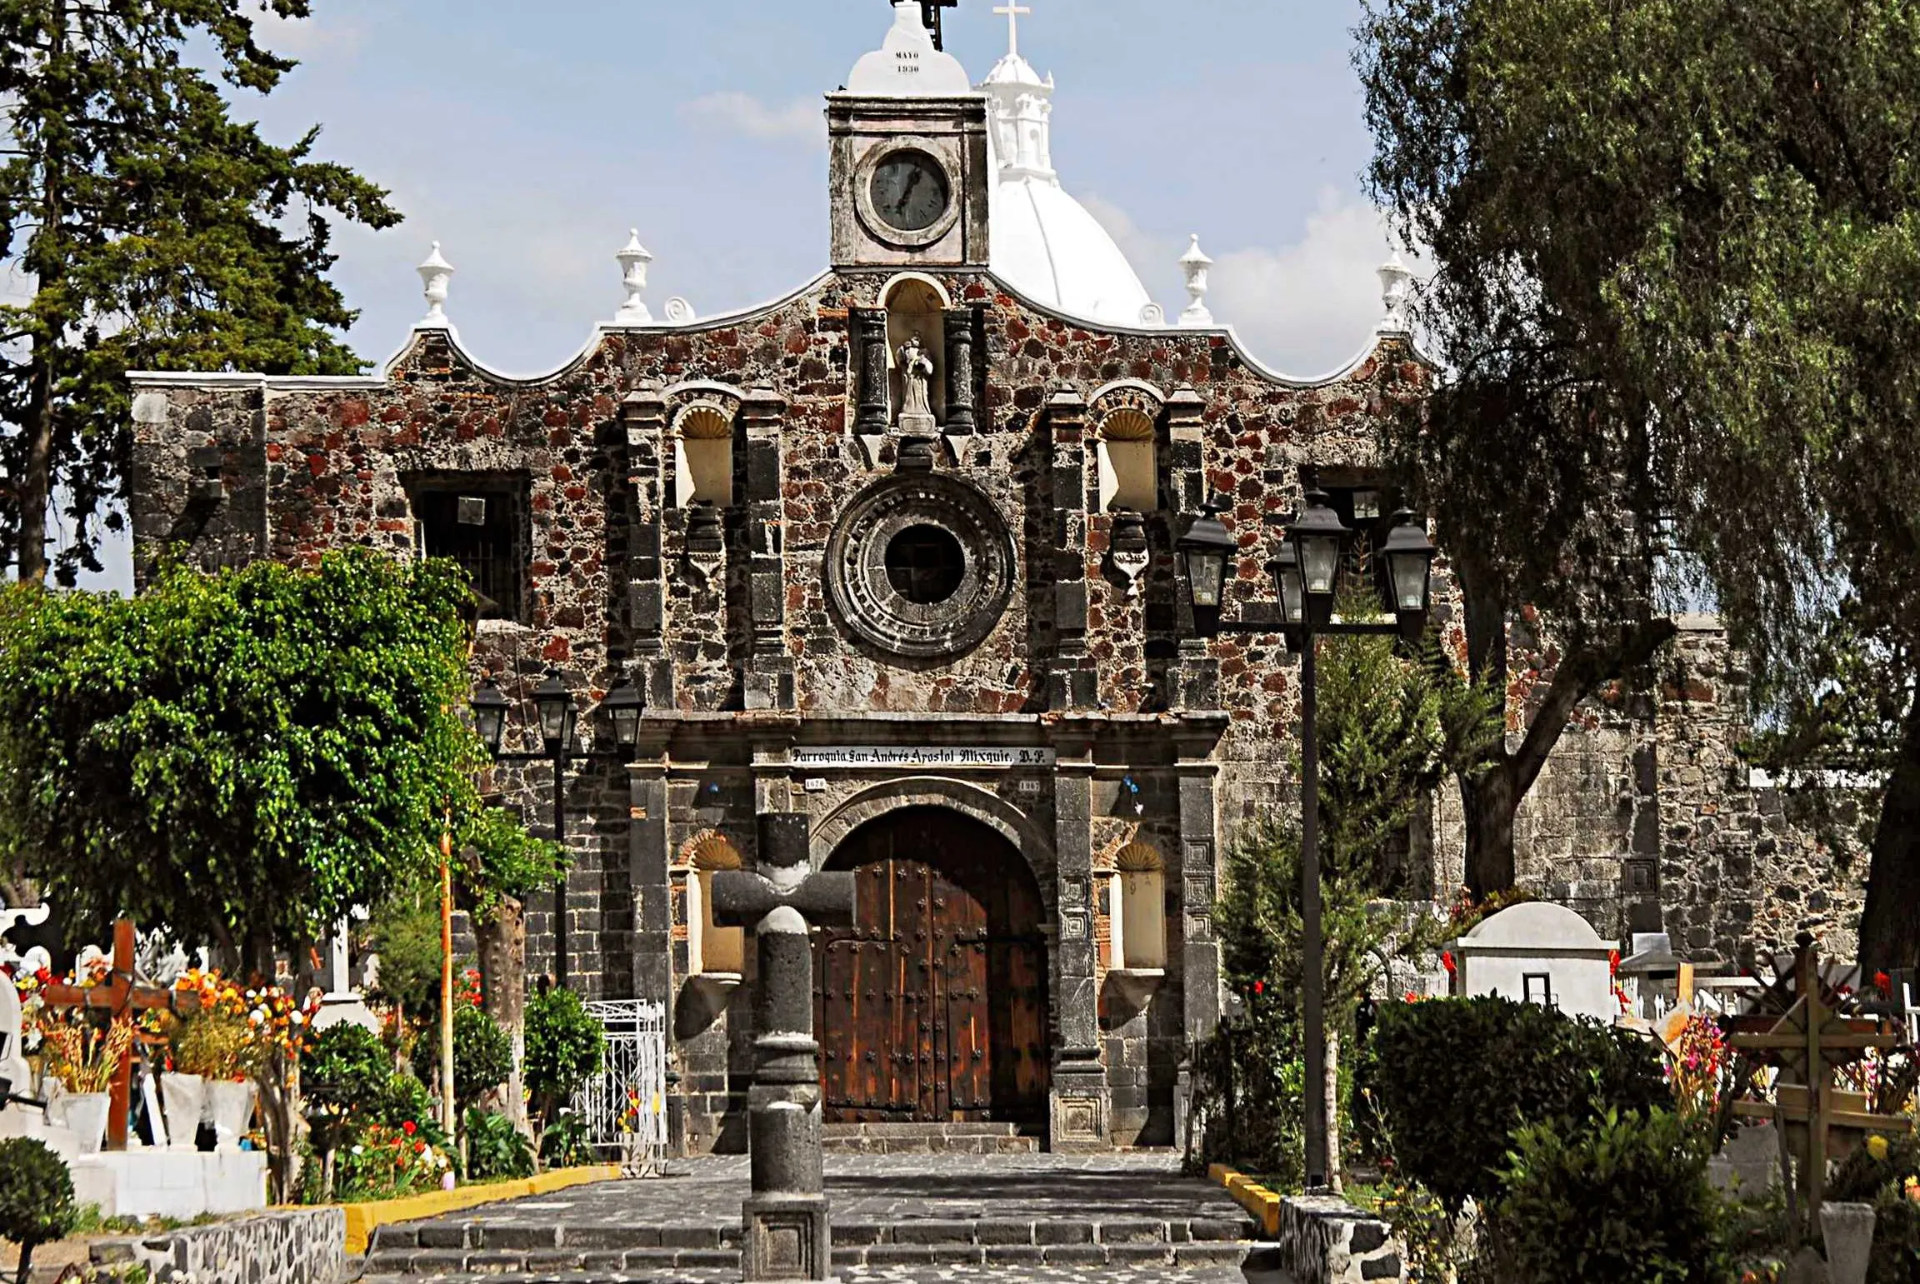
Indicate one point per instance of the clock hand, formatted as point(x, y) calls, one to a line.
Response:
point(913, 181)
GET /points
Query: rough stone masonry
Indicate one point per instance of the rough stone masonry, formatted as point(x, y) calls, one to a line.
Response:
point(966, 625)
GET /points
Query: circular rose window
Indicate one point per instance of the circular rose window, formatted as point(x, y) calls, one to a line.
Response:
point(921, 565)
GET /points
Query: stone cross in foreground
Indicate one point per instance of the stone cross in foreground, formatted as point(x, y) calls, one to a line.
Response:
point(785, 1215)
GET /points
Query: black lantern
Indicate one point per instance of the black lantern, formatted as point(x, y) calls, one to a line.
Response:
point(1319, 538)
point(1286, 570)
point(1408, 555)
point(1204, 550)
point(489, 715)
point(623, 704)
point(554, 703)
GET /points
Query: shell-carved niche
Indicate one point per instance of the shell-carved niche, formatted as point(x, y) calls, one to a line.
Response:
point(1140, 911)
point(1126, 419)
point(711, 949)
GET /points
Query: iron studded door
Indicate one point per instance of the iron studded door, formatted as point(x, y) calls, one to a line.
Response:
point(932, 1006)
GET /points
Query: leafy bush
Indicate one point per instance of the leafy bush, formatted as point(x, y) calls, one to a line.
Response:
point(482, 1056)
point(344, 1072)
point(406, 1100)
point(565, 1048)
point(563, 1144)
point(495, 1147)
point(1621, 1199)
point(385, 1162)
point(36, 1197)
point(1453, 1079)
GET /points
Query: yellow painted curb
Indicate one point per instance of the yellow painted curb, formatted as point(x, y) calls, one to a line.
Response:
point(362, 1219)
point(1250, 1194)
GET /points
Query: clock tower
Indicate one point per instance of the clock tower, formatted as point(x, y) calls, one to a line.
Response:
point(910, 175)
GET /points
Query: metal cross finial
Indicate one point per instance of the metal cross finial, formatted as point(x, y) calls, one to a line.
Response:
point(1013, 9)
point(930, 15)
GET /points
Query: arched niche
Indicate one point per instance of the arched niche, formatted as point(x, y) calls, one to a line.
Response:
point(703, 455)
point(917, 304)
point(1129, 464)
point(1139, 919)
point(711, 949)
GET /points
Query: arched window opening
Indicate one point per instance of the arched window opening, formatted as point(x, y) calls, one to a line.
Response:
point(703, 457)
point(1129, 469)
point(1140, 911)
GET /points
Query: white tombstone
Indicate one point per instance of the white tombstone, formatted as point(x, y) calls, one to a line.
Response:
point(13, 1062)
point(342, 1004)
point(1543, 953)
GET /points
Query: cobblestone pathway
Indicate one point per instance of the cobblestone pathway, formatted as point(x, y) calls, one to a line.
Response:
point(897, 1219)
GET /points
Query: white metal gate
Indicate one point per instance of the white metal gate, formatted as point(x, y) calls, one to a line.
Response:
point(625, 1106)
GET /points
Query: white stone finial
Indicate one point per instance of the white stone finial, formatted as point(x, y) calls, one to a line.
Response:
point(435, 272)
point(1396, 296)
point(1195, 264)
point(633, 258)
point(1013, 9)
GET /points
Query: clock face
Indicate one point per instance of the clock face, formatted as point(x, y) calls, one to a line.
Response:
point(910, 191)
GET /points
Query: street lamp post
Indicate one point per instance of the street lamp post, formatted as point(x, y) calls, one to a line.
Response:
point(1308, 573)
point(558, 716)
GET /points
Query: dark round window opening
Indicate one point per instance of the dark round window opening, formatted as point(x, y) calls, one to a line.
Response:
point(925, 564)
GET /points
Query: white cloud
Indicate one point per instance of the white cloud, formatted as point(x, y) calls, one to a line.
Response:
point(737, 113)
point(299, 37)
point(1304, 308)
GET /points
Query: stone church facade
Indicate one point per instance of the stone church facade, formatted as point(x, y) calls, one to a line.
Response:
point(946, 642)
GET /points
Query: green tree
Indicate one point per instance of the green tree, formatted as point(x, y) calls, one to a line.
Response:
point(482, 1057)
point(1390, 726)
point(344, 1075)
point(1692, 230)
point(241, 756)
point(158, 233)
point(565, 1048)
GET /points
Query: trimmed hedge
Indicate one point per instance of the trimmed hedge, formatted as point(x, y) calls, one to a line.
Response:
point(1453, 1079)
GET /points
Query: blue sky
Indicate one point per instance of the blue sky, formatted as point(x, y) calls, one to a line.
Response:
point(528, 137)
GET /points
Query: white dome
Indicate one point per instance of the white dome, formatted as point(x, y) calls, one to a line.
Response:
point(1045, 243)
point(1049, 248)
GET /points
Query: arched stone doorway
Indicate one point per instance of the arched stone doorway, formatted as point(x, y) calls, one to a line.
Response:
point(932, 1007)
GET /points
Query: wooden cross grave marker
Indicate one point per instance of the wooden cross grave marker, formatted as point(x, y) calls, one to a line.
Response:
point(117, 996)
point(1818, 1120)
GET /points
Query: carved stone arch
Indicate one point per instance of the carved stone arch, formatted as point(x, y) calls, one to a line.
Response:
point(710, 850)
point(962, 796)
point(1138, 858)
point(1137, 393)
point(884, 297)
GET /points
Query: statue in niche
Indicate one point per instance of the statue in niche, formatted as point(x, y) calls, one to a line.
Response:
point(916, 372)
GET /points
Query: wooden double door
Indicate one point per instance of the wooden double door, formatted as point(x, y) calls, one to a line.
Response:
point(932, 1007)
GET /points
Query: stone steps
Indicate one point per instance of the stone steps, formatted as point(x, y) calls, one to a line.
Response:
point(505, 1251)
point(927, 1139)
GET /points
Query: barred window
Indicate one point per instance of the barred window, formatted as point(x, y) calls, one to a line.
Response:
point(478, 520)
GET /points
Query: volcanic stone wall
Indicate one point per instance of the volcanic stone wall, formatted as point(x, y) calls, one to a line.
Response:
point(731, 630)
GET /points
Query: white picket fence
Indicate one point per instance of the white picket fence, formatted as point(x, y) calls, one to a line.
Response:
point(626, 1105)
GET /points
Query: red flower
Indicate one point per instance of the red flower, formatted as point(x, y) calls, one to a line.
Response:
point(1259, 987)
point(407, 1127)
point(1412, 997)
point(1446, 961)
point(419, 1147)
point(1883, 983)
